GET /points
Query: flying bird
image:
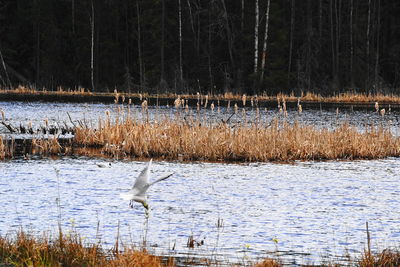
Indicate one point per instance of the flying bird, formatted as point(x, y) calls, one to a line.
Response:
point(139, 189)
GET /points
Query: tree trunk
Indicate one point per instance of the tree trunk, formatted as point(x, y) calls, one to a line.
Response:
point(5, 69)
point(320, 21)
point(292, 18)
point(309, 36)
point(139, 44)
point(368, 37)
point(378, 26)
point(73, 15)
point(256, 38)
point(210, 73)
point(92, 49)
point(37, 56)
point(351, 44)
point(228, 35)
point(338, 5)
point(332, 43)
point(162, 41)
point(180, 43)
point(264, 52)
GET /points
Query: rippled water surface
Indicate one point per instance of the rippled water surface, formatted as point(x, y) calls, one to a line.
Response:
point(59, 114)
point(311, 208)
point(314, 210)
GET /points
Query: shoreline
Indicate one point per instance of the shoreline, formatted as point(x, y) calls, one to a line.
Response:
point(352, 102)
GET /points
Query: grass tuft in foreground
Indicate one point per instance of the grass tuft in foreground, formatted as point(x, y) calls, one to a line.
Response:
point(26, 250)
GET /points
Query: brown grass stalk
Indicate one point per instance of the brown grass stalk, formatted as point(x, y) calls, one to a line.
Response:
point(27, 250)
point(277, 142)
point(347, 97)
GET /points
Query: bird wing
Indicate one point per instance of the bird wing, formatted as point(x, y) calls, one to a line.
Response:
point(162, 178)
point(142, 181)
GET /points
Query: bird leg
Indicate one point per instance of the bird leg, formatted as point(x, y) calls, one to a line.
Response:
point(131, 204)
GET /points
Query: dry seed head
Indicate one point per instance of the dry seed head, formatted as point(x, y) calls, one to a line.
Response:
point(30, 124)
point(177, 102)
point(228, 106)
point(144, 105)
point(123, 99)
point(300, 108)
point(206, 102)
point(376, 106)
point(337, 111)
point(252, 101)
point(236, 108)
point(46, 122)
point(130, 101)
point(187, 108)
point(107, 113)
point(3, 115)
point(382, 112)
point(244, 99)
point(212, 106)
point(140, 97)
point(284, 104)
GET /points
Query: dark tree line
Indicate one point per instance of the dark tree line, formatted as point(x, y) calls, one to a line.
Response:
point(186, 46)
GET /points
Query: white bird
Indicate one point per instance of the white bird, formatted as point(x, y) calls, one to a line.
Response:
point(138, 191)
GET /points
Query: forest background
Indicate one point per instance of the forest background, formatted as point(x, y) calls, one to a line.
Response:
point(206, 46)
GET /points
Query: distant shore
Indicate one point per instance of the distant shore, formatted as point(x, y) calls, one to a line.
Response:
point(308, 101)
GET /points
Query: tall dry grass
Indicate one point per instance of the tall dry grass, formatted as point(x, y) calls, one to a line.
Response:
point(388, 258)
point(27, 250)
point(2, 148)
point(278, 141)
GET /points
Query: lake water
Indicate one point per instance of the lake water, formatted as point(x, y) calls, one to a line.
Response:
point(314, 210)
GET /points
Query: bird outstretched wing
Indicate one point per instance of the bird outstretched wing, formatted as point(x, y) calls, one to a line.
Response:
point(161, 179)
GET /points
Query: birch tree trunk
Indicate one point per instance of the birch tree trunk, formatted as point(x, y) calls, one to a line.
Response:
point(92, 50)
point(139, 44)
point(292, 18)
point(338, 23)
point(264, 52)
point(378, 26)
point(351, 44)
point(256, 38)
point(210, 50)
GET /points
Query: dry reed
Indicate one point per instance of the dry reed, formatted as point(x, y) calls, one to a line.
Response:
point(385, 258)
point(279, 141)
point(26, 250)
point(348, 97)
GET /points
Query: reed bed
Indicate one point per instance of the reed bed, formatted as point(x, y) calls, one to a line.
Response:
point(2, 149)
point(276, 141)
point(27, 250)
point(385, 258)
point(347, 97)
point(23, 249)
